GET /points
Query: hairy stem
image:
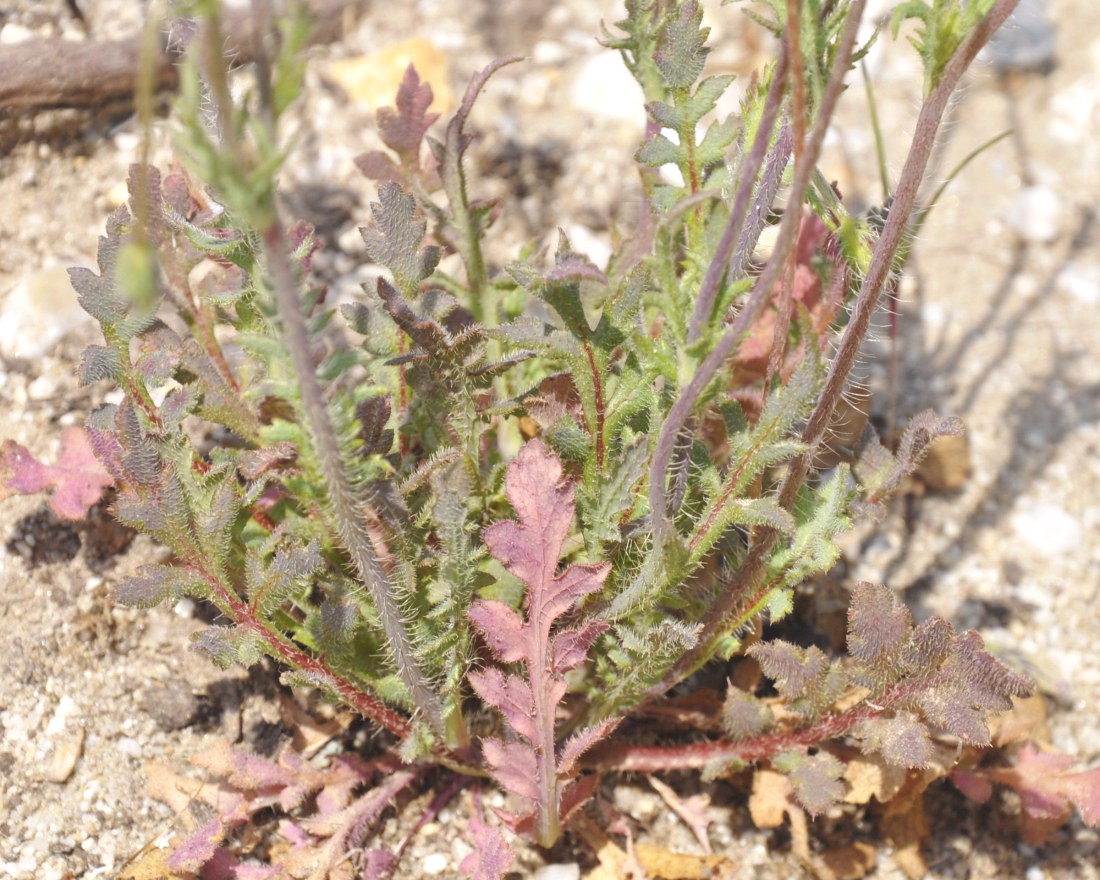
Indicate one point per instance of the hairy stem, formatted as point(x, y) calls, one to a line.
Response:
point(733, 337)
point(882, 261)
point(749, 171)
point(453, 177)
point(279, 646)
point(346, 508)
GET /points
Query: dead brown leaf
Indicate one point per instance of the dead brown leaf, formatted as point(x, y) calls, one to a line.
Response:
point(770, 798)
point(850, 862)
point(150, 865)
point(1026, 721)
point(870, 776)
point(903, 823)
point(946, 467)
point(660, 864)
point(693, 811)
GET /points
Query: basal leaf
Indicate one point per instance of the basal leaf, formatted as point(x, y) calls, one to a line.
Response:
point(816, 779)
point(511, 695)
point(78, 479)
point(513, 767)
point(530, 549)
point(502, 628)
point(878, 624)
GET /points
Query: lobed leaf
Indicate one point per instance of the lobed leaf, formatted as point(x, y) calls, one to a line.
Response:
point(78, 479)
point(403, 129)
point(878, 624)
point(816, 779)
point(743, 715)
point(395, 236)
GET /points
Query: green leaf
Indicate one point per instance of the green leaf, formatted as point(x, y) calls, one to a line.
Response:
point(395, 236)
point(681, 47)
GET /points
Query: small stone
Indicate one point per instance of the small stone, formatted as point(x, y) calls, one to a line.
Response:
point(65, 755)
point(65, 708)
point(605, 89)
point(119, 194)
point(185, 608)
point(373, 79)
point(38, 312)
point(593, 245)
point(571, 871)
point(549, 53)
point(1081, 281)
point(129, 746)
point(14, 33)
point(435, 863)
point(42, 388)
point(1047, 529)
point(1036, 214)
point(173, 706)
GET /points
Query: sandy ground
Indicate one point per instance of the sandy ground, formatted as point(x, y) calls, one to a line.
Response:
point(998, 325)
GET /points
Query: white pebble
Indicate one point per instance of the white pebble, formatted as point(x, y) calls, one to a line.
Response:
point(14, 33)
point(558, 872)
point(64, 709)
point(38, 312)
point(1081, 281)
point(1046, 528)
point(436, 863)
point(1037, 214)
point(604, 88)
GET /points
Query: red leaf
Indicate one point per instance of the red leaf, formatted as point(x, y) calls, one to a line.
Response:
point(530, 549)
point(1047, 785)
point(513, 766)
point(501, 627)
point(492, 857)
point(78, 479)
point(570, 647)
point(197, 849)
point(581, 742)
point(511, 695)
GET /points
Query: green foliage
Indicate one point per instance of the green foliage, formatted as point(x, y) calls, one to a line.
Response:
point(344, 521)
point(944, 24)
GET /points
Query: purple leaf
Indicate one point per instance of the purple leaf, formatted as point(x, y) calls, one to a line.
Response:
point(378, 864)
point(243, 770)
point(815, 779)
point(78, 479)
point(513, 766)
point(1048, 784)
point(581, 742)
point(530, 549)
point(743, 715)
point(403, 130)
point(973, 784)
point(197, 849)
point(492, 857)
point(511, 696)
point(878, 624)
point(902, 740)
point(502, 629)
point(570, 647)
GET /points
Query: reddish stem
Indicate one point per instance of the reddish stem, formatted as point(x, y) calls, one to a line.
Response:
point(600, 414)
point(245, 617)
